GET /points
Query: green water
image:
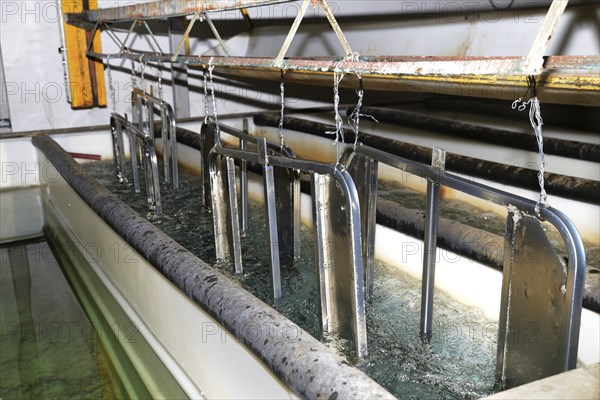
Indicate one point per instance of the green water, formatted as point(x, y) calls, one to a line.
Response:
point(49, 349)
point(460, 361)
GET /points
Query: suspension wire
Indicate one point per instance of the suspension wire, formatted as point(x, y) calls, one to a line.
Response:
point(282, 90)
point(133, 74)
point(111, 86)
point(142, 72)
point(205, 97)
point(211, 67)
point(354, 118)
point(159, 79)
point(339, 123)
point(535, 118)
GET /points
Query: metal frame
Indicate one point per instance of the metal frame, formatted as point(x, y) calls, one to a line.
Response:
point(139, 142)
point(530, 64)
point(141, 99)
point(568, 324)
point(227, 237)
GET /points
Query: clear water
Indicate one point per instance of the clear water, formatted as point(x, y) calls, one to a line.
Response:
point(460, 361)
point(48, 347)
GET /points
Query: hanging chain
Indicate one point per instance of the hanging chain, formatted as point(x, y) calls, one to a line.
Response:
point(282, 91)
point(111, 86)
point(535, 117)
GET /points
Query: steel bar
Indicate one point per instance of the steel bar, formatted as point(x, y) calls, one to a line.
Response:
point(215, 32)
point(535, 58)
point(208, 139)
point(158, 48)
point(184, 37)
point(235, 228)
point(179, 73)
point(118, 148)
point(320, 250)
point(224, 207)
point(133, 146)
point(270, 202)
point(293, 29)
point(572, 79)
point(336, 27)
point(164, 133)
point(244, 182)
point(430, 246)
point(559, 185)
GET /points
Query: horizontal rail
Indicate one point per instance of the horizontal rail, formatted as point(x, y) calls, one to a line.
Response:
point(285, 150)
point(163, 9)
point(568, 231)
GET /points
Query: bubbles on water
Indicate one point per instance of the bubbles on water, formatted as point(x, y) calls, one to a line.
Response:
point(459, 362)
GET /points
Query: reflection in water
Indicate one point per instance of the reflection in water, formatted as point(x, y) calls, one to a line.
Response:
point(49, 349)
point(27, 345)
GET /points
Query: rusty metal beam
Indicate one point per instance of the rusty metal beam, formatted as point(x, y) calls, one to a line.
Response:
point(162, 9)
point(564, 79)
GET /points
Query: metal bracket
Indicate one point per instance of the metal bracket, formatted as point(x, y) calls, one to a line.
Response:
point(532, 343)
point(294, 28)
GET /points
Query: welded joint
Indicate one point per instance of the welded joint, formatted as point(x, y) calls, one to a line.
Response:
point(263, 157)
point(438, 159)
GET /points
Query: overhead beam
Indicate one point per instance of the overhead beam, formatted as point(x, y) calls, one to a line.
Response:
point(162, 9)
